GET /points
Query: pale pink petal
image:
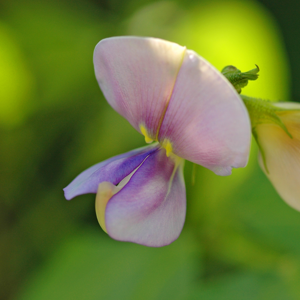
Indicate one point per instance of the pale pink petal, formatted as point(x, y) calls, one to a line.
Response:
point(150, 208)
point(282, 155)
point(206, 121)
point(137, 76)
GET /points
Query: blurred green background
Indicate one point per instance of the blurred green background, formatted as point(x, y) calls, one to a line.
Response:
point(240, 240)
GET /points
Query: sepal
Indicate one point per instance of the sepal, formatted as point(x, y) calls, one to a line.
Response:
point(239, 79)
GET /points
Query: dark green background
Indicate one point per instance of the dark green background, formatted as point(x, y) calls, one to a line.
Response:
point(240, 240)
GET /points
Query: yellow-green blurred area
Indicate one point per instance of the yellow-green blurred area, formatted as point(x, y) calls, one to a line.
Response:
point(240, 240)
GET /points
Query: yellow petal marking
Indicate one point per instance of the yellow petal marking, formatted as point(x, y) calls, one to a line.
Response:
point(144, 131)
point(105, 191)
point(168, 146)
point(178, 161)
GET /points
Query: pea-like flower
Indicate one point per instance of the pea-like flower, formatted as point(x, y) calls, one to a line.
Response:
point(182, 104)
point(278, 137)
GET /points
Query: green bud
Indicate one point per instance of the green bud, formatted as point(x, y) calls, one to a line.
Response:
point(239, 79)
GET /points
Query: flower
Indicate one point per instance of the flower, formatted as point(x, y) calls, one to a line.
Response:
point(280, 151)
point(178, 100)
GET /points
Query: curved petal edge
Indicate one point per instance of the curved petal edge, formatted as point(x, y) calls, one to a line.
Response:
point(150, 209)
point(112, 170)
point(206, 122)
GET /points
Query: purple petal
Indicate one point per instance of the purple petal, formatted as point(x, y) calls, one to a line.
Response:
point(206, 121)
point(150, 209)
point(137, 76)
point(112, 170)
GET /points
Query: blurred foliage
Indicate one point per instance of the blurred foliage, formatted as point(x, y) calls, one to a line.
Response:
point(90, 267)
point(240, 240)
point(239, 33)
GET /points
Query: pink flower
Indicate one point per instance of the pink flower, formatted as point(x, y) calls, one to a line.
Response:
point(174, 97)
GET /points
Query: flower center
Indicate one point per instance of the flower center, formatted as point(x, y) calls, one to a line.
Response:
point(166, 143)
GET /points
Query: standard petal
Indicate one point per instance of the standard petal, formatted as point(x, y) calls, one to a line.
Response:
point(112, 170)
point(150, 209)
point(206, 122)
point(137, 76)
point(282, 155)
